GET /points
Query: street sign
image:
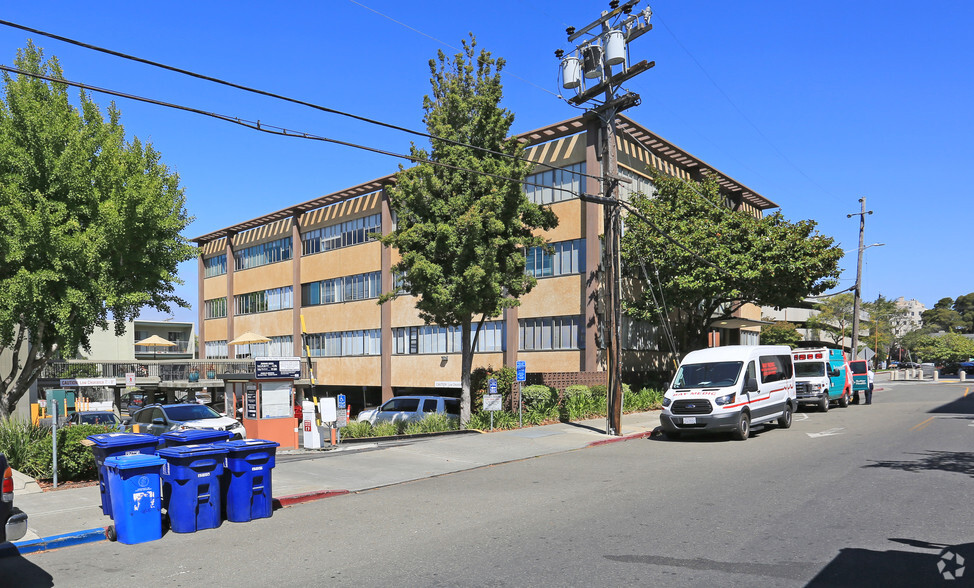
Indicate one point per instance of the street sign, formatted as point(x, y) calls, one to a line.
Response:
point(130, 378)
point(493, 403)
point(492, 385)
point(341, 402)
point(521, 371)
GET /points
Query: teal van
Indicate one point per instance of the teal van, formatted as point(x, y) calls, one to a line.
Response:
point(821, 377)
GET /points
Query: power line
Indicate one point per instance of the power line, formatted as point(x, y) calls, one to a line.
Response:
point(277, 96)
point(271, 129)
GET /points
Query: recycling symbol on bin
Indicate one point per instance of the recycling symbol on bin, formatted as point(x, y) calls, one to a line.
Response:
point(143, 481)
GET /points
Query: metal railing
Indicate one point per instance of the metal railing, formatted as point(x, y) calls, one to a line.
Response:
point(165, 370)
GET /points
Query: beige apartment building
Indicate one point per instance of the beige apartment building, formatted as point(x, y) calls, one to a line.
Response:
point(315, 260)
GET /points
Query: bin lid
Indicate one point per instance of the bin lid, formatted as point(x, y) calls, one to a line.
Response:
point(110, 440)
point(245, 444)
point(138, 460)
point(201, 435)
point(198, 450)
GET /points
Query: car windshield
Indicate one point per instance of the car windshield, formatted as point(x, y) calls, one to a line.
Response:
point(191, 412)
point(707, 375)
point(99, 418)
point(858, 367)
point(809, 369)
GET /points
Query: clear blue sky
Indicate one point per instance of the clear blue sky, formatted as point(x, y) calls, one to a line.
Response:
point(811, 104)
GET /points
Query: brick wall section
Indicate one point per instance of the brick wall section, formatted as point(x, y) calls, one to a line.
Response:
point(562, 380)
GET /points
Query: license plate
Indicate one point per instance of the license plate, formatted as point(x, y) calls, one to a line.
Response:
point(689, 420)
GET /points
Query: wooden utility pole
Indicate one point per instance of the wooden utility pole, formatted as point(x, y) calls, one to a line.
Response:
point(858, 293)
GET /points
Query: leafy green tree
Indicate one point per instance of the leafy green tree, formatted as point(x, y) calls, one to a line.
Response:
point(463, 234)
point(946, 348)
point(734, 258)
point(89, 224)
point(882, 314)
point(780, 333)
point(834, 317)
point(942, 317)
point(964, 306)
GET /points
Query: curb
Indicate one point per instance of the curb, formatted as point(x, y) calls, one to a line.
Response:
point(55, 542)
point(640, 435)
point(292, 499)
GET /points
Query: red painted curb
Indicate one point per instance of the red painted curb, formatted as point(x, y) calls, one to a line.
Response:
point(292, 499)
point(641, 435)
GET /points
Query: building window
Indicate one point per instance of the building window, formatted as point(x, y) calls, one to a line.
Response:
point(345, 343)
point(567, 257)
point(432, 339)
point(215, 308)
point(340, 235)
point(282, 346)
point(344, 289)
point(639, 183)
point(555, 185)
point(639, 335)
point(263, 301)
point(216, 349)
point(262, 254)
point(549, 333)
point(215, 266)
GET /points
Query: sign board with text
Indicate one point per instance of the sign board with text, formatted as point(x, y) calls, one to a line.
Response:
point(277, 367)
point(493, 402)
point(522, 370)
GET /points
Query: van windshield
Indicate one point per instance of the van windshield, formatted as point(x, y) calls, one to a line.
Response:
point(809, 369)
point(707, 375)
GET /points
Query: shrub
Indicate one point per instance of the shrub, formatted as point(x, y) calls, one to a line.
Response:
point(645, 399)
point(357, 430)
point(17, 436)
point(538, 394)
point(479, 379)
point(75, 461)
point(541, 412)
point(384, 430)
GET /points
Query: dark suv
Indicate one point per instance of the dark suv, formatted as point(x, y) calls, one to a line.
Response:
point(13, 523)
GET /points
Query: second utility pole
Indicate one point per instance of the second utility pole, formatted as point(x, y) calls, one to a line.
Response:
point(858, 294)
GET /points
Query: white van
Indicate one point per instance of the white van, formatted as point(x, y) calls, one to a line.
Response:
point(728, 389)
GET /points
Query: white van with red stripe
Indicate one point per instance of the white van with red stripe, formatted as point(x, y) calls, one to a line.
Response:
point(728, 389)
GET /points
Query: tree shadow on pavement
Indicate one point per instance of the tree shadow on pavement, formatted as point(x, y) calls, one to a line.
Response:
point(16, 570)
point(962, 405)
point(960, 462)
point(944, 565)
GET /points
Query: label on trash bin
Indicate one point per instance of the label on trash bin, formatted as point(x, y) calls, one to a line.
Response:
point(256, 468)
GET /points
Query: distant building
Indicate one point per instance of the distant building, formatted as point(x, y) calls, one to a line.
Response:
point(911, 320)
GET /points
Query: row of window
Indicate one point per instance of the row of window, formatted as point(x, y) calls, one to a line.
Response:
point(263, 301)
point(567, 257)
point(434, 339)
point(343, 289)
point(339, 235)
point(215, 308)
point(551, 333)
point(345, 343)
point(262, 254)
point(282, 346)
point(555, 185)
point(215, 266)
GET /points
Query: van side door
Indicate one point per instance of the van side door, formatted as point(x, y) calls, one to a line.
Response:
point(776, 377)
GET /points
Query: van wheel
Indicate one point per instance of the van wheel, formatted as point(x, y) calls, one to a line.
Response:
point(844, 400)
point(743, 429)
point(824, 404)
point(784, 421)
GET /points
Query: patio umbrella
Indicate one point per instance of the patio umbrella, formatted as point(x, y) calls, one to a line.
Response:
point(248, 338)
point(154, 342)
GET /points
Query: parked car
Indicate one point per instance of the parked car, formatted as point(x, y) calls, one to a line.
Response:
point(133, 402)
point(412, 409)
point(161, 418)
point(96, 417)
point(13, 522)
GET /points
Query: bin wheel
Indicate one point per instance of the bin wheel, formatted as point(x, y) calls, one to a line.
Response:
point(110, 533)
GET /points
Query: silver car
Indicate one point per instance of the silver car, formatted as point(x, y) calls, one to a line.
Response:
point(412, 409)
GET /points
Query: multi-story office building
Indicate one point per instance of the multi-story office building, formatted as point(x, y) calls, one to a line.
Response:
point(316, 260)
point(911, 319)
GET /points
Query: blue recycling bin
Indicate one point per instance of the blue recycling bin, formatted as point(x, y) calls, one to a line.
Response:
point(247, 478)
point(112, 444)
point(191, 491)
point(193, 437)
point(136, 496)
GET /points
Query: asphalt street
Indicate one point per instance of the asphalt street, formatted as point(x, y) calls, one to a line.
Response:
point(864, 496)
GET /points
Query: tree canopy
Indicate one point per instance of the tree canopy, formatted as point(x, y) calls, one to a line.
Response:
point(463, 219)
point(90, 225)
point(834, 317)
point(780, 333)
point(951, 316)
point(731, 257)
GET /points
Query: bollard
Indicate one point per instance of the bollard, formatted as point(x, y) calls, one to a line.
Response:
point(936, 375)
point(892, 376)
point(963, 375)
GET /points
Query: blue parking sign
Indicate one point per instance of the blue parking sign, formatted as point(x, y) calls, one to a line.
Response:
point(492, 384)
point(521, 371)
point(341, 401)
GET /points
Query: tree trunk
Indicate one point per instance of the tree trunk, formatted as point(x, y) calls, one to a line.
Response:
point(466, 361)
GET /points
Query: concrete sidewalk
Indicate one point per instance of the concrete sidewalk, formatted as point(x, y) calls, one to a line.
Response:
point(307, 474)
